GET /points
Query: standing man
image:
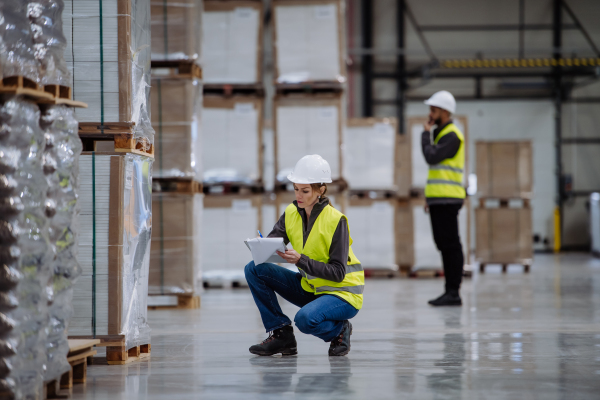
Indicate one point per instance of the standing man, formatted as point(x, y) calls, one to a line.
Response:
point(444, 191)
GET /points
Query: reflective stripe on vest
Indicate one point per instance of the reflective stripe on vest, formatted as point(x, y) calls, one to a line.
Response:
point(446, 178)
point(317, 248)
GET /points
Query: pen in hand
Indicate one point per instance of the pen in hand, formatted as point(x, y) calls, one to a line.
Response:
point(260, 234)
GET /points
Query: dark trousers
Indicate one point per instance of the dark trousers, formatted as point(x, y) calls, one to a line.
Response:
point(444, 223)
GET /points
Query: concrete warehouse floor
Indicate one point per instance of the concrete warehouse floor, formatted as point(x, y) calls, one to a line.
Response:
point(516, 336)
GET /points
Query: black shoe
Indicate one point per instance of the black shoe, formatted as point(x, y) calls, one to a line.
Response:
point(447, 299)
point(281, 340)
point(340, 345)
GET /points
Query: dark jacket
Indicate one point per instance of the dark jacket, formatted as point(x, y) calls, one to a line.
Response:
point(335, 269)
point(447, 147)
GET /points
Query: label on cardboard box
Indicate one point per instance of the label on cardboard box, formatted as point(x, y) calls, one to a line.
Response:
point(243, 12)
point(244, 108)
point(380, 206)
point(128, 175)
point(382, 128)
point(327, 112)
point(325, 12)
point(241, 206)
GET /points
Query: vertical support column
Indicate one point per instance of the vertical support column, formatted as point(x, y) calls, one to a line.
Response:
point(557, 72)
point(367, 57)
point(401, 67)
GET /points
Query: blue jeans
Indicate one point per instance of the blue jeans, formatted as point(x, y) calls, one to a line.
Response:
point(322, 316)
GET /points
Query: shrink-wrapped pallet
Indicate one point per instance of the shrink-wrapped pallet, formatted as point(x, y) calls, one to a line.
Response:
point(175, 29)
point(45, 17)
point(17, 51)
point(175, 263)
point(109, 55)
point(232, 139)
point(504, 169)
point(232, 42)
point(24, 251)
point(176, 110)
point(376, 157)
point(308, 41)
point(308, 124)
point(60, 165)
point(110, 297)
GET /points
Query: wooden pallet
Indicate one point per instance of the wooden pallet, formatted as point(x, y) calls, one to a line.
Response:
point(52, 390)
point(525, 263)
point(176, 186)
point(121, 133)
point(228, 90)
point(503, 202)
point(80, 355)
point(371, 272)
point(117, 352)
point(426, 273)
point(372, 194)
point(62, 95)
point(309, 87)
point(230, 188)
point(176, 69)
point(184, 302)
point(20, 85)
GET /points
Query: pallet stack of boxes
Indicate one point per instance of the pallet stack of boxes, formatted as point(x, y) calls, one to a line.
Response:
point(503, 219)
point(108, 54)
point(176, 104)
point(232, 151)
point(39, 149)
point(378, 171)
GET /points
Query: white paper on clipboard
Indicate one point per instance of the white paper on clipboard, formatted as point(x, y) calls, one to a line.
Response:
point(264, 250)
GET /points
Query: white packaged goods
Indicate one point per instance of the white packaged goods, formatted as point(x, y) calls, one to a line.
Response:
point(175, 264)
point(376, 157)
point(232, 139)
point(176, 108)
point(231, 42)
point(25, 252)
point(110, 298)
point(109, 56)
point(176, 29)
point(60, 165)
point(227, 222)
point(308, 125)
point(308, 39)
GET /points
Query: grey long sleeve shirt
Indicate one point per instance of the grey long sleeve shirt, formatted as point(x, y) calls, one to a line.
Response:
point(335, 269)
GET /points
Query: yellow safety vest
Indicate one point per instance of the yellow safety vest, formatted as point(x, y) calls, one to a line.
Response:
point(446, 178)
point(317, 248)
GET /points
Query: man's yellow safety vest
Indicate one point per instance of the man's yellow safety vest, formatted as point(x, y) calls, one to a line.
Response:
point(317, 248)
point(446, 178)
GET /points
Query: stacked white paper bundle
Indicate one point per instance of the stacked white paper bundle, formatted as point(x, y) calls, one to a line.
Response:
point(369, 156)
point(176, 31)
point(308, 41)
point(224, 232)
point(24, 251)
point(230, 138)
point(91, 292)
point(49, 42)
point(231, 42)
point(61, 156)
point(372, 230)
point(304, 129)
point(97, 53)
point(17, 52)
point(175, 258)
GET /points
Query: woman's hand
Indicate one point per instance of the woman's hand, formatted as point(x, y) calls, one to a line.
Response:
point(291, 256)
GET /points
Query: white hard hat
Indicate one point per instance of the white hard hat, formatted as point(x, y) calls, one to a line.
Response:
point(311, 169)
point(442, 99)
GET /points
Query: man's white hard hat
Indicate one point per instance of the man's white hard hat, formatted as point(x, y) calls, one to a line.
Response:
point(442, 99)
point(311, 169)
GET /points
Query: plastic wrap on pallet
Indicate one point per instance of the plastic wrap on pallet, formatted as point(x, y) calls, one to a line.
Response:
point(176, 115)
point(110, 296)
point(24, 250)
point(175, 264)
point(49, 41)
point(227, 222)
point(176, 29)
point(17, 52)
point(61, 167)
point(308, 125)
point(231, 139)
point(376, 157)
point(232, 42)
point(309, 41)
point(109, 56)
